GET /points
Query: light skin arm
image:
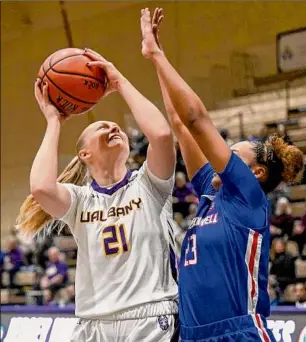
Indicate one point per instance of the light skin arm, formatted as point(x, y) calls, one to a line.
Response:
point(53, 197)
point(161, 152)
point(190, 109)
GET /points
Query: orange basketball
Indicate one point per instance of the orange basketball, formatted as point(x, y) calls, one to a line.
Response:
point(74, 88)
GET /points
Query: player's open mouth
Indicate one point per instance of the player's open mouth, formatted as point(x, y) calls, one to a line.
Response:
point(113, 137)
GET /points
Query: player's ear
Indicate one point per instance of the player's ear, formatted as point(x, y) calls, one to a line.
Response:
point(259, 171)
point(84, 154)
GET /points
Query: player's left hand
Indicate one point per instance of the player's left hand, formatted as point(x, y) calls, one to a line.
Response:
point(114, 76)
point(150, 32)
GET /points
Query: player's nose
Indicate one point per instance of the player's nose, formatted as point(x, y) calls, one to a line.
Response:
point(115, 129)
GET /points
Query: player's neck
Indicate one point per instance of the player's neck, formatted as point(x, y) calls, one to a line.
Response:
point(108, 176)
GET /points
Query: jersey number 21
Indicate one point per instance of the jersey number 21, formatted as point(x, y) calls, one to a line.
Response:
point(114, 240)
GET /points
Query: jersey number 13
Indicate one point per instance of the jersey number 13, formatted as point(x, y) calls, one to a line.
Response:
point(191, 257)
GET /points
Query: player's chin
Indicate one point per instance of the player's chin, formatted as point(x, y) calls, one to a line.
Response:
point(116, 143)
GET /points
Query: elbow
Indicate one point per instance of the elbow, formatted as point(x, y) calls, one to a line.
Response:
point(163, 138)
point(38, 191)
point(165, 135)
point(193, 119)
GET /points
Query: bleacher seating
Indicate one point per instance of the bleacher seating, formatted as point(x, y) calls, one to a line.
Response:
point(263, 108)
point(65, 243)
point(24, 278)
point(298, 209)
point(297, 193)
point(292, 248)
point(71, 275)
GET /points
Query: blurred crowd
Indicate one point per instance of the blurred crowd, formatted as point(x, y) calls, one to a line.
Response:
point(53, 285)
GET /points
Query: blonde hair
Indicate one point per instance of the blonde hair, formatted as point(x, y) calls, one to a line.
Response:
point(32, 218)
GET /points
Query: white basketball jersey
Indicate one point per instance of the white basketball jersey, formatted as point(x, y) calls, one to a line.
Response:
point(123, 243)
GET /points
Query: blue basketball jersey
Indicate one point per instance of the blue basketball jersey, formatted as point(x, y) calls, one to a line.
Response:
point(223, 270)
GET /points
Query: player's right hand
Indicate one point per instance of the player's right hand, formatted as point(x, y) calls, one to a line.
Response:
point(150, 32)
point(41, 94)
point(114, 76)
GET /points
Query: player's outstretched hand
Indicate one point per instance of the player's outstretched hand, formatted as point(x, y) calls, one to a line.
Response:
point(150, 32)
point(48, 109)
point(114, 76)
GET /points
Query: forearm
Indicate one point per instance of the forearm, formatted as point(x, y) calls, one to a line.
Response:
point(192, 154)
point(193, 115)
point(185, 101)
point(148, 117)
point(45, 166)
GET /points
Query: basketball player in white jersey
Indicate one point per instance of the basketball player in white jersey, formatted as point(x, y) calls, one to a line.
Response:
point(125, 291)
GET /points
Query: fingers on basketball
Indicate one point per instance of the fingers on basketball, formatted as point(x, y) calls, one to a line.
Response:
point(37, 90)
point(45, 93)
point(94, 55)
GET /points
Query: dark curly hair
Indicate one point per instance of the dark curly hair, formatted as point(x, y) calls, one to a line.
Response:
point(284, 162)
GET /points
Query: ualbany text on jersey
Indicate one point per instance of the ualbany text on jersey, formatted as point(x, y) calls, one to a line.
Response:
point(103, 215)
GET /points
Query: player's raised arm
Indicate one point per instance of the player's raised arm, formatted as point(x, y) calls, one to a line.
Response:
point(190, 108)
point(192, 154)
point(161, 151)
point(48, 197)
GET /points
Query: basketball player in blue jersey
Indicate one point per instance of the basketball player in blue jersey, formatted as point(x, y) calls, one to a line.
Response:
point(223, 270)
point(125, 291)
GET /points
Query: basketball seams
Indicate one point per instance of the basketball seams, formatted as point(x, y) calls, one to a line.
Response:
point(45, 72)
point(51, 67)
point(64, 92)
point(77, 74)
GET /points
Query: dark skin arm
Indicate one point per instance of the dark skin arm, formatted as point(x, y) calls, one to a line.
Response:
point(189, 107)
point(192, 154)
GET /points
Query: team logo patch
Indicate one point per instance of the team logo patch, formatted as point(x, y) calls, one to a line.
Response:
point(163, 322)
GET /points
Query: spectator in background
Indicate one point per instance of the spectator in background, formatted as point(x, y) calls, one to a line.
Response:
point(282, 132)
point(179, 219)
point(27, 246)
point(13, 260)
point(2, 256)
point(192, 212)
point(283, 264)
point(41, 251)
point(275, 195)
point(273, 291)
point(180, 164)
point(226, 136)
point(304, 175)
point(263, 134)
point(282, 218)
point(67, 295)
point(300, 294)
point(183, 194)
point(56, 275)
point(299, 234)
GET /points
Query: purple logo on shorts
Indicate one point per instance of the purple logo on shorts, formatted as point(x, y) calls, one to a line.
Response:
point(163, 322)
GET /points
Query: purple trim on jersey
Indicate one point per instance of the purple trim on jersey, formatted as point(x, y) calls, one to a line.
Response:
point(112, 190)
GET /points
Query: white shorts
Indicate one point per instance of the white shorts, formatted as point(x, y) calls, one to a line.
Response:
point(128, 328)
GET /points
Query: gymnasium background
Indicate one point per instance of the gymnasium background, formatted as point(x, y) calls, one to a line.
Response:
point(223, 49)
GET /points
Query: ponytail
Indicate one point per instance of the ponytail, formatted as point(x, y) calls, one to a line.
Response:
point(32, 218)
